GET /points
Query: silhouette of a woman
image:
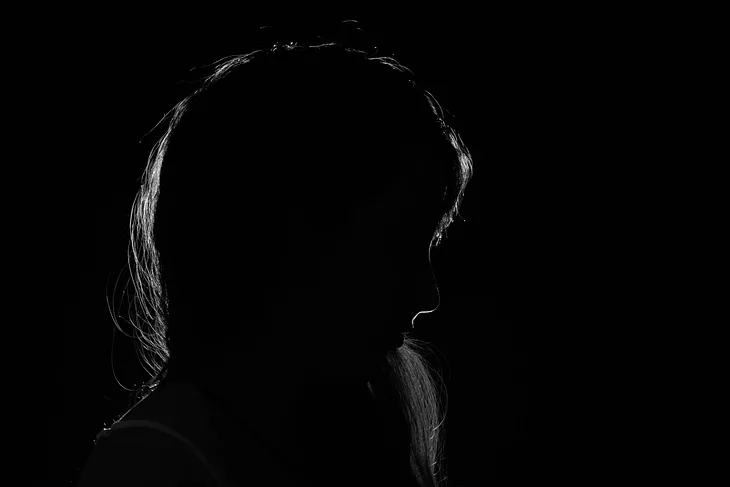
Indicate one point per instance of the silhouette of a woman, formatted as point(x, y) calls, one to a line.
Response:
point(281, 251)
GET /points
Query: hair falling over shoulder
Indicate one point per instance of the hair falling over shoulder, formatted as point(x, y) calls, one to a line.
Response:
point(412, 399)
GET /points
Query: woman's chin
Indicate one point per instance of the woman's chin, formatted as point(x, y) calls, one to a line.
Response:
point(366, 367)
point(348, 365)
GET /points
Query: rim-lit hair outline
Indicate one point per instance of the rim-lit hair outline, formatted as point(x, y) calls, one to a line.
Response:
point(150, 301)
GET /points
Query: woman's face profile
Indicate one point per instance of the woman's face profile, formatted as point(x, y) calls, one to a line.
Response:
point(350, 306)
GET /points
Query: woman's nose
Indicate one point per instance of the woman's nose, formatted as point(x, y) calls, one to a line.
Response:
point(432, 297)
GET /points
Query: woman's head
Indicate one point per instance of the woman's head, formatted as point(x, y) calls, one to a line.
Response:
point(301, 188)
point(311, 174)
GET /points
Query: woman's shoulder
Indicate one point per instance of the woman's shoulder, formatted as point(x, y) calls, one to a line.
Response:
point(176, 425)
point(141, 456)
point(159, 441)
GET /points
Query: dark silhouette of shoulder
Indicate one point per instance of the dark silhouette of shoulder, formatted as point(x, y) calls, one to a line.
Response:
point(143, 457)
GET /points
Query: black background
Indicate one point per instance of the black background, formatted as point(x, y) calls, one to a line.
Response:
point(525, 87)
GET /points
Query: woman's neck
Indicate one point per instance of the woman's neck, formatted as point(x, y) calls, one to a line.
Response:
point(305, 420)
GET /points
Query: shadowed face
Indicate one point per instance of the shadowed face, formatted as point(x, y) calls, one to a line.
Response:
point(349, 307)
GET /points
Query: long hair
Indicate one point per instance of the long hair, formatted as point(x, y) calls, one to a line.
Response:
point(265, 131)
